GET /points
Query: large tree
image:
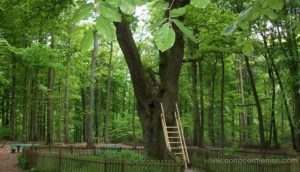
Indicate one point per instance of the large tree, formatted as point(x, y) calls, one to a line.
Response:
point(150, 92)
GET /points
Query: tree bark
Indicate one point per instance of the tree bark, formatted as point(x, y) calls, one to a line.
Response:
point(222, 101)
point(243, 116)
point(34, 114)
point(201, 80)
point(106, 132)
point(211, 132)
point(25, 104)
point(66, 103)
point(196, 130)
point(98, 110)
point(257, 103)
point(50, 94)
point(273, 128)
point(13, 105)
point(91, 113)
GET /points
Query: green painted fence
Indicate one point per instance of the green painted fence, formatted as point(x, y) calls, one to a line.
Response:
point(66, 162)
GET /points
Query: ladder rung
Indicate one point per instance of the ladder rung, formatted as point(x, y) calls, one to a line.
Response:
point(171, 126)
point(174, 137)
point(175, 142)
point(178, 153)
point(176, 148)
point(170, 132)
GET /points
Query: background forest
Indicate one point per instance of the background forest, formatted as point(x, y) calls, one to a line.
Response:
point(64, 78)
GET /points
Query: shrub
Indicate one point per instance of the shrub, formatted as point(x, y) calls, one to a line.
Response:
point(24, 163)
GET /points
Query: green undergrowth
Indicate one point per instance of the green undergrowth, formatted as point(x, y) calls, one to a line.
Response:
point(24, 163)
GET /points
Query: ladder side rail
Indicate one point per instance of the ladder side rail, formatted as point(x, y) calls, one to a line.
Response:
point(163, 120)
point(181, 140)
point(181, 131)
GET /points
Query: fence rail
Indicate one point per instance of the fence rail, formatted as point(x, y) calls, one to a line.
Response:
point(63, 160)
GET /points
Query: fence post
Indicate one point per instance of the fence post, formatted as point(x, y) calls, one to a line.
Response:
point(122, 166)
point(105, 166)
point(71, 149)
point(59, 160)
point(260, 167)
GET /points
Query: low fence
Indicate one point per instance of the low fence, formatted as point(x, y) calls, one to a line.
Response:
point(80, 160)
point(215, 161)
point(86, 150)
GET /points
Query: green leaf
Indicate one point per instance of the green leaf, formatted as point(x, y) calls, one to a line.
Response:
point(82, 12)
point(276, 4)
point(108, 11)
point(248, 49)
point(105, 28)
point(127, 7)
point(270, 13)
point(243, 25)
point(165, 37)
point(178, 12)
point(87, 40)
point(230, 29)
point(200, 3)
point(297, 28)
point(159, 23)
point(187, 32)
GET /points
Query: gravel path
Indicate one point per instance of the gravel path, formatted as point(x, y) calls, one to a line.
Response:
point(8, 161)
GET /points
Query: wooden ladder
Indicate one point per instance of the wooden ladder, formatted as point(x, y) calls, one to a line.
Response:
point(174, 137)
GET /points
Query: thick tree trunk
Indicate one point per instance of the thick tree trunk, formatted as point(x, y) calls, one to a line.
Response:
point(149, 93)
point(50, 94)
point(257, 103)
point(196, 130)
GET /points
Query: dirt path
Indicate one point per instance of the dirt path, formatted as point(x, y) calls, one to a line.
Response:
point(8, 161)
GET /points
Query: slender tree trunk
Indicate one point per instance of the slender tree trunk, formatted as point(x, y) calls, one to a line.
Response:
point(201, 89)
point(257, 103)
point(35, 100)
point(66, 103)
point(3, 108)
point(243, 116)
point(273, 128)
point(211, 132)
point(285, 101)
point(98, 111)
point(222, 101)
point(84, 114)
point(25, 104)
point(106, 133)
point(58, 112)
point(50, 94)
point(90, 116)
point(13, 106)
point(196, 130)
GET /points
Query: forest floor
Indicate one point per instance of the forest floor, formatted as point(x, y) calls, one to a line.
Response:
point(8, 160)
